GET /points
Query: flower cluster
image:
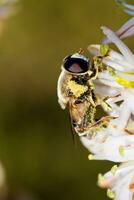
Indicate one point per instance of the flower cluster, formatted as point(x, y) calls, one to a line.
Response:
point(116, 141)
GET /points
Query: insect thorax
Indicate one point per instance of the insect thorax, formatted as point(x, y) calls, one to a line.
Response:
point(82, 101)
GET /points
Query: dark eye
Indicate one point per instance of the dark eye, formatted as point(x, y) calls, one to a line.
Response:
point(76, 65)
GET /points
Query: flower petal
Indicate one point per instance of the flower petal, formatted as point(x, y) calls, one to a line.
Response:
point(112, 148)
point(105, 90)
point(94, 49)
point(121, 46)
point(117, 65)
point(125, 31)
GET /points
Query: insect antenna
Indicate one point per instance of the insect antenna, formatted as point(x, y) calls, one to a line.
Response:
point(81, 51)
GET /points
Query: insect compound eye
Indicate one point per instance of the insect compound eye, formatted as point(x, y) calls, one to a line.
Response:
point(76, 64)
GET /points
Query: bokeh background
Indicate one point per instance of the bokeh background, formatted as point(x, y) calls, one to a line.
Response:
point(36, 147)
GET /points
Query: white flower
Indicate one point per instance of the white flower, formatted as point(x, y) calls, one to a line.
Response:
point(120, 84)
point(116, 142)
point(104, 146)
point(120, 181)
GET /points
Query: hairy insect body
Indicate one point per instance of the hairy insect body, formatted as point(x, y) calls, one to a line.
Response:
point(83, 102)
point(77, 92)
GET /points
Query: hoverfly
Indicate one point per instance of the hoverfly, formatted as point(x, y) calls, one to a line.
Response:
point(76, 91)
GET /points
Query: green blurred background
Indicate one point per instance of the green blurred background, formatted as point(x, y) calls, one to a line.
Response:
point(36, 147)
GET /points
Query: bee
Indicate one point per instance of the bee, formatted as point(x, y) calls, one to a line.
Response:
point(75, 90)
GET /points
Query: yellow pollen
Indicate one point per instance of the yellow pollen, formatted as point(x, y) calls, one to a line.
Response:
point(110, 194)
point(128, 72)
point(76, 89)
point(90, 157)
point(124, 82)
point(114, 169)
point(121, 150)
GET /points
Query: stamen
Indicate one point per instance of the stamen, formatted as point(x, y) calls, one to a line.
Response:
point(110, 194)
point(121, 150)
point(114, 169)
